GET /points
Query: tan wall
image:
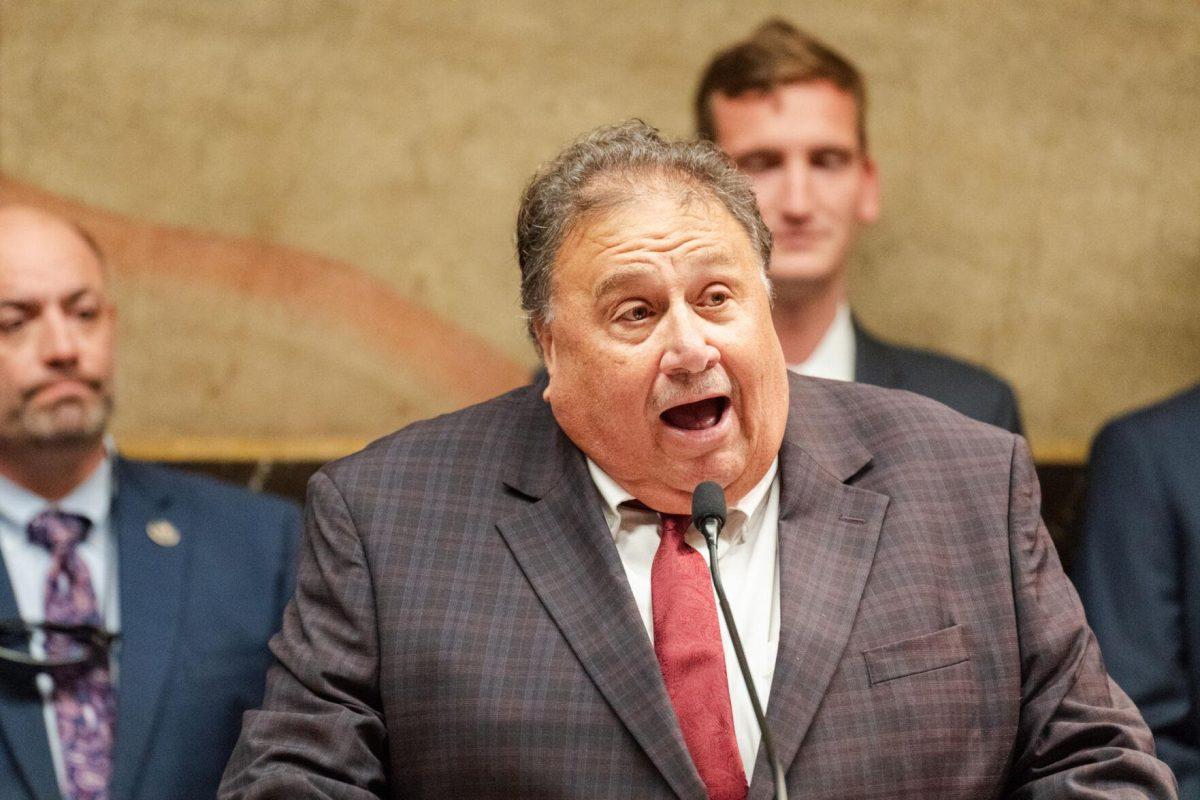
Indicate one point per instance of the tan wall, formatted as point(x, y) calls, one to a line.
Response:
point(1041, 173)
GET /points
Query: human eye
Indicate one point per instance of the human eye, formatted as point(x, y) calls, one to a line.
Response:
point(11, 320)
point(86, 308)
point(88, 313)
point(832, 158)
point(715, 297)
point(758, 161)
point(635, 312)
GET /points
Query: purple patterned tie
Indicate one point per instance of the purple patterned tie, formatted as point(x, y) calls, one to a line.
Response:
point(84, 701)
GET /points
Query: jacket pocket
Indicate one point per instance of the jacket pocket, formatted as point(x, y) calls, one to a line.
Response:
point(923, 653)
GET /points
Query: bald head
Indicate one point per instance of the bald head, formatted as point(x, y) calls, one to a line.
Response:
point(56, 333)
point(22, 225)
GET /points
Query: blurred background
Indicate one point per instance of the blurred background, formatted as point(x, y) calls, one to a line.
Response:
point(309, 206)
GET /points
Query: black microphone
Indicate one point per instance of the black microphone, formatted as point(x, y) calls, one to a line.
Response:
point(708, 515)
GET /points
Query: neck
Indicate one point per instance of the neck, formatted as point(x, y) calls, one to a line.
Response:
point(51, 471)
point(803, 313)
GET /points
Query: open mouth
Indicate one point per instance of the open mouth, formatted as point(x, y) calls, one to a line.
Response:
point(698, 416)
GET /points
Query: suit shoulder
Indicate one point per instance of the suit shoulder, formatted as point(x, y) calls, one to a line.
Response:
point(963, 386)
point(929, 365)
point(218, 497)
point(1172, 422)
point(897, 421)
point(450, 442)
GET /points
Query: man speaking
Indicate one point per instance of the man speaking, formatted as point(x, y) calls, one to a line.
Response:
point(509, 602)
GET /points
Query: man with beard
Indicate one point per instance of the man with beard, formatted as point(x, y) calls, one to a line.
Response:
point(136, 601)
point(510, 601)
point(791, 113)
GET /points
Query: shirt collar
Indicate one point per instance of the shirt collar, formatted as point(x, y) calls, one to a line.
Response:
point(612, 495)
point(91, 499)
point(833, 357)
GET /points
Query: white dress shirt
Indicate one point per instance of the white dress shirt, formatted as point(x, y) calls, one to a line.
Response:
point(746, 554)
point(834, 355)
point(28, 565)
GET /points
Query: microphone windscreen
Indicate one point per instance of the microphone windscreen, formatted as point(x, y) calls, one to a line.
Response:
point(708, 502)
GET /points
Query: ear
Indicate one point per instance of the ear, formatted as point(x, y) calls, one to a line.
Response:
point(868, 198)
point(545, 339)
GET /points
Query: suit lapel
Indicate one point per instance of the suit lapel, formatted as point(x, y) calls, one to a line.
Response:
point(21, 722)
point(828, 532)
point(567, 554)
point(152, 580)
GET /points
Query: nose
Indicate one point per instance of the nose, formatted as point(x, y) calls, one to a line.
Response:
point(796, 190)
point(687, 349)
point(59, 343)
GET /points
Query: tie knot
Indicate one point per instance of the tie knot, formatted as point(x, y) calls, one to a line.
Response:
point(675, 525)
point(58, 531)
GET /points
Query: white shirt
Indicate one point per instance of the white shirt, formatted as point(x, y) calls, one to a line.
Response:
point(29, 563)
point(746, 554)
point(833, 356)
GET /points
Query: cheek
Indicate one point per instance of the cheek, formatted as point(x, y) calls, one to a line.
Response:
point(755, 360)
point(17, 368)
point(97, 347)
point(601, 397)
point(104, 354)
point(11, 382)
point(843, 197)
point(765, 187)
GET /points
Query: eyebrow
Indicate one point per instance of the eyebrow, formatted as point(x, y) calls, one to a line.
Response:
point(623, 276)
point(79, 294)
point(758, 152)
point(68, 299)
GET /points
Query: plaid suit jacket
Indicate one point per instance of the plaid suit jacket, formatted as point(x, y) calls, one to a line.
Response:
point(462, 625)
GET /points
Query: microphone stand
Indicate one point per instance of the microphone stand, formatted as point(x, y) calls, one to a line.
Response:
point(710, 527)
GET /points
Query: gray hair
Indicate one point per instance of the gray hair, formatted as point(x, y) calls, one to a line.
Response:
point(598, 172)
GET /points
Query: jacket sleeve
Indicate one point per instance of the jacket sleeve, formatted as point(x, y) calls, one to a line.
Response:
point(291, 526)
point(1128, 576)
point(320, 733)
point(1078, 736)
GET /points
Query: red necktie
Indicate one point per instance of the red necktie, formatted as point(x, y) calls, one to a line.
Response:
point(687, 641)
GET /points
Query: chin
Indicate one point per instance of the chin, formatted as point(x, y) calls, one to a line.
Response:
point(723, 468)
point(67, 424)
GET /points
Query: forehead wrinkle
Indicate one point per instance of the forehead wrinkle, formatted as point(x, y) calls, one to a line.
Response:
point(691, 202)
point(652, 242)
point(706, 254)
point(613, 234)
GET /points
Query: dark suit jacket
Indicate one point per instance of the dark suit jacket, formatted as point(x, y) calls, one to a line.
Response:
point(1138, 570)
point(195, 620)
point(463, 627)
point(964, 387)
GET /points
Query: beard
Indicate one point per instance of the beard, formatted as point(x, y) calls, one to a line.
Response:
point(72, 422)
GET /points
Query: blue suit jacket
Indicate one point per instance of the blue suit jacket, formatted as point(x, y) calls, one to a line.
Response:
point(1138, 570)
point(968, 389)
point(195, 620)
